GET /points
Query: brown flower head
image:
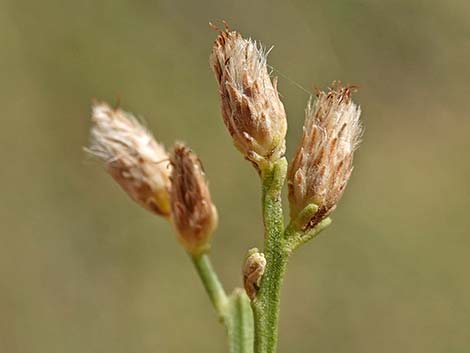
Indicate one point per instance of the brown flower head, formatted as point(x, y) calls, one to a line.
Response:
point(250, 104)
point(323, 161)
point(133, 158)
point(194, 214)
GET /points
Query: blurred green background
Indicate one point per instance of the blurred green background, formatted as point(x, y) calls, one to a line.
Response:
point(83, 269)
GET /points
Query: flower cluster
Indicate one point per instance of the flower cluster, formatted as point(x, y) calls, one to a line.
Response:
point(256, 120)
point(171, 185)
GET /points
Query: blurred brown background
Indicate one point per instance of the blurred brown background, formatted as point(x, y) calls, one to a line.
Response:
point(83, 269)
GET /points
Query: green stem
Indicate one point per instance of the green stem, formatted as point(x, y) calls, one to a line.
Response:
point(211, 283)
point(266, 304)
point(233, 311)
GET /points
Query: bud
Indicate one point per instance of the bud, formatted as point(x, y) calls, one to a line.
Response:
point(253, 271)
point(324, 158)
point(133, 158)
point(194, 215)
point(250, 104)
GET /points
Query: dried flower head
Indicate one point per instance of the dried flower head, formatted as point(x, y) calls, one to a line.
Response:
point(253, 270)
point(194, 214)
point(132, 156)
point(324, 158)
point(250, 104)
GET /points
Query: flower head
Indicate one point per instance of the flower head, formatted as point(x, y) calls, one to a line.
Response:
point(194, 214)
point(250, 104)
point(132, 157)
point(323, 161)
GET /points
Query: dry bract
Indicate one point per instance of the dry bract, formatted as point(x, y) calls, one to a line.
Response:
point(323, 161)
point(132, 156)
point(194, 215)
point(250, 104)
